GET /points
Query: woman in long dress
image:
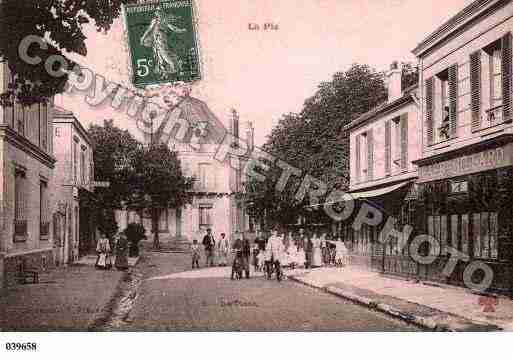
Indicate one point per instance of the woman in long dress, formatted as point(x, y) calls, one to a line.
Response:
point(103, 249)
point(316, 251)
point(223, 248)
point(121, 262)
point(167, 61)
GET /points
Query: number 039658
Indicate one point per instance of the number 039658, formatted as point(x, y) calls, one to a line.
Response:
point(21, 346)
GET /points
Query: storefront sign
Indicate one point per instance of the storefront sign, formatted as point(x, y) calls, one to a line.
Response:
point(476, 162)
point(162, 42)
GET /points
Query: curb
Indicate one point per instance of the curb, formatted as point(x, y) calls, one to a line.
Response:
point(419, 321)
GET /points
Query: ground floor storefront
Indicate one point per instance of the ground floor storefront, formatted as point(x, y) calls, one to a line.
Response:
point(463, 201)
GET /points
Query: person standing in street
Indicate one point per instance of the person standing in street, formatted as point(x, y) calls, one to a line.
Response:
point(246, 254)
point(195, 251)
point(209, 244)
point(103, 249)
point(223, 247)
point(121, 262)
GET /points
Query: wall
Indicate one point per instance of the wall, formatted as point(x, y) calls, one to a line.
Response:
point(457, 51)
point(378, 129)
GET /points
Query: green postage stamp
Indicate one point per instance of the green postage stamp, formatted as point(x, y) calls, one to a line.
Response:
point(162, 42)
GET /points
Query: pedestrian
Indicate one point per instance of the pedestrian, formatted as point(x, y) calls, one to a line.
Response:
point(246, 254)
point(324, 249)
point(274, 253)
point(223, 247)
point(308, 250)
point(302, 239)
point(195, 251)
point(121, 262)
point(103, 249)
point(209, 244)
point(316, 260)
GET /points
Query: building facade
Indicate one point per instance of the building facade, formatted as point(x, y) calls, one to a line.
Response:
point(383, 145)
point(73, 186)
point(26, 171)
point(217, 195)
point(465, 167)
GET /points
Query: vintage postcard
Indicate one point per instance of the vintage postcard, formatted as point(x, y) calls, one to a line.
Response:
point(255, 166)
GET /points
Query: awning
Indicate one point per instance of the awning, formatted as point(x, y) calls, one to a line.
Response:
point(379, 192)
point(367, 194)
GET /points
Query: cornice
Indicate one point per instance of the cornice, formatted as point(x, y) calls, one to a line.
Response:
point(26, 146)
point(471, 12)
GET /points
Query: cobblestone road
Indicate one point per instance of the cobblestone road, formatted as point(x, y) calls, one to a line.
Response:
point(173, 297)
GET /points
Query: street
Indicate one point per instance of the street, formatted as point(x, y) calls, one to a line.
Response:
point(172, 297)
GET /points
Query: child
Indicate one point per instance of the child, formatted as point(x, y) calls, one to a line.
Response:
point(195, 248)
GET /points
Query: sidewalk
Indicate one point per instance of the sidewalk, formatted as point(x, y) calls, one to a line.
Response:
point(429, 306)
point(69, 298)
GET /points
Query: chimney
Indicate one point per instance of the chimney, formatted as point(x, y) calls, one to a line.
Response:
point(234, 124)
point(250, 136)
point(394, 82)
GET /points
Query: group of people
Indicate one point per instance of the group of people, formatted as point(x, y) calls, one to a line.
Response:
point(289, 249)
point(104, 252)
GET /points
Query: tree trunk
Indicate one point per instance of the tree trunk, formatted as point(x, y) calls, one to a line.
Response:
point(155, 227)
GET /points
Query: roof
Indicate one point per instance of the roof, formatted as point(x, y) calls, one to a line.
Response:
point(384, 108)
point(61, 115)
point(475, 8)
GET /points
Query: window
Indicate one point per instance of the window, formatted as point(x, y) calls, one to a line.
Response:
point(495, 78)
point(82, 167)
point(364, 156)
point(75, 162)
point(485, 235)
point(163, 221)
point(443, 109)
point(43, 120)
point(43, 211)
point(204, 175)
point(19, 114)
point(205, 216)
point(20, 220)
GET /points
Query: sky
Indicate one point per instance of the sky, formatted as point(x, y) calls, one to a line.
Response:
point(264, 74)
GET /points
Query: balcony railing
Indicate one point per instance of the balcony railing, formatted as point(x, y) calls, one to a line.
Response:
point(494, 115)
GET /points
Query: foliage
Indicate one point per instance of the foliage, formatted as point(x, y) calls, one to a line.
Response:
point(61, 24)
point(157, 182)
point(114, 151)
point(315, 141)
point(410, 75)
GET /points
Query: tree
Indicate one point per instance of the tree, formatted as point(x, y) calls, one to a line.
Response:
point(61, 24)
point(315, 140)
point(114, 150)
point(157, 182)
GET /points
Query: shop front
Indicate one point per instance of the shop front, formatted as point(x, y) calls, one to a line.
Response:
point(465, 203)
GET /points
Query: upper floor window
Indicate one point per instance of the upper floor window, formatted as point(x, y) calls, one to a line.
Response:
point(490, 84)
point(204, 174)
point(83, 166)
point(75, 162)
point(442, 105)
point(205, 216)
point(364, 156)
point(20, 205)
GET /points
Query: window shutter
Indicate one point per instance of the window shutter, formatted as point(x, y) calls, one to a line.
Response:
point(388, 148)
point(370, 155)
point(453, 99)
point(358, 158)
point(404, 141)
point(506, 77)
point(429, 110)
point(475, 89)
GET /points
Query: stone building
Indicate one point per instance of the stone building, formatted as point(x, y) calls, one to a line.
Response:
point(73, 215)
point(218, 201)
point(465, 166)
point(26, 171)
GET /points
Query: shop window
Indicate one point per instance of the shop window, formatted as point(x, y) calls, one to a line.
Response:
point(485, 235)
point(465, 233)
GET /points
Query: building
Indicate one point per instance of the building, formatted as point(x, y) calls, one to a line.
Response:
point(465, 166)
point(73, 211)
point(26, 171)
point(383, 144)
point(218, 201)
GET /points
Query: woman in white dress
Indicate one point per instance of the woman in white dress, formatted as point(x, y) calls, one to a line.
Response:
point(316, 251)
point(103, 249)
